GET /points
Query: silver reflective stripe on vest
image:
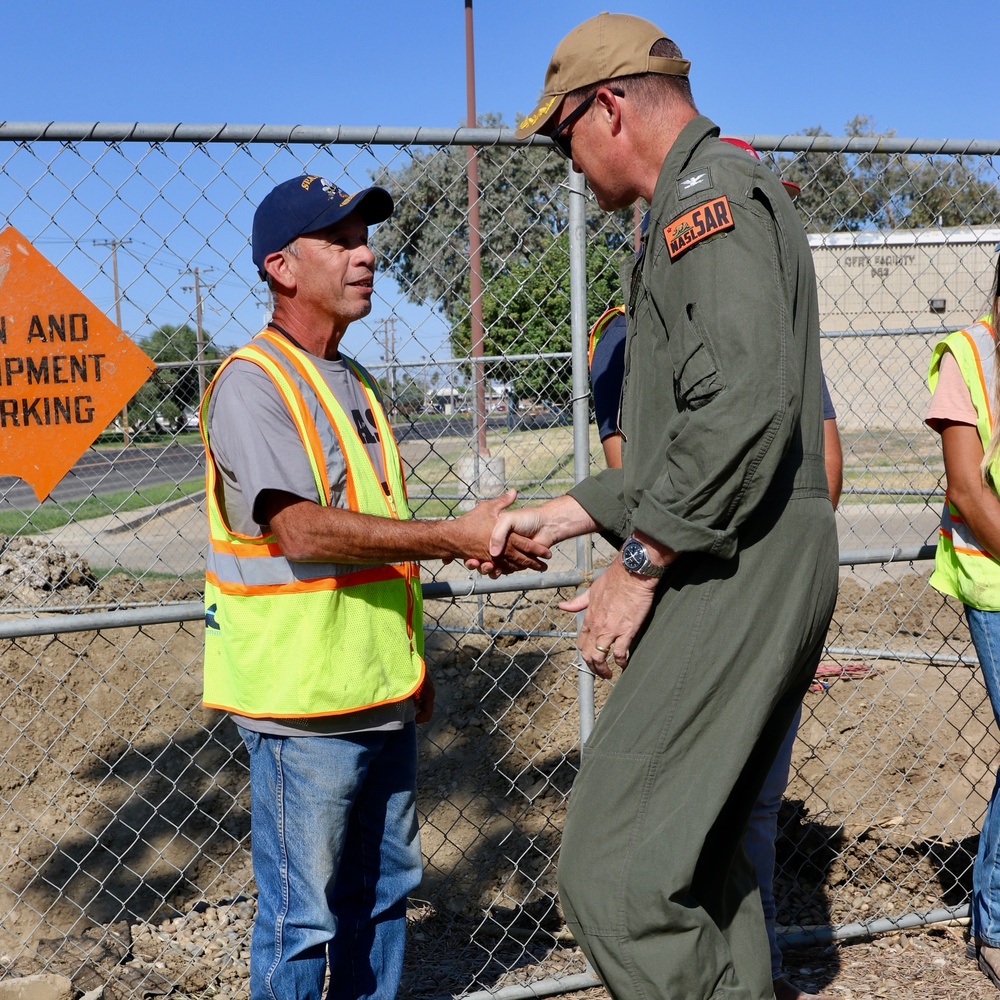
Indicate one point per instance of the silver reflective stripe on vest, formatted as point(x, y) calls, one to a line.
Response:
point(265, 571)
point(961, 536)
point(985, 347)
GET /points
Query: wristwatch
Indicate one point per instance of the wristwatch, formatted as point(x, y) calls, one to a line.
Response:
point(636, 560)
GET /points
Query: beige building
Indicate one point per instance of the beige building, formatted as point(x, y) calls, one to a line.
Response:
point(904, 279)
point(885, 299)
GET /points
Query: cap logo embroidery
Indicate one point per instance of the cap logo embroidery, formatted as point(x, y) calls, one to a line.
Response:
point(538, 112)
point(329, 188)
point(706, 219)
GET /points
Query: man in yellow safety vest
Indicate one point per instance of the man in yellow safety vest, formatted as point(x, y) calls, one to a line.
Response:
point(314, 641)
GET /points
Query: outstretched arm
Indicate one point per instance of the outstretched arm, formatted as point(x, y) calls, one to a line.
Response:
point(308, 532)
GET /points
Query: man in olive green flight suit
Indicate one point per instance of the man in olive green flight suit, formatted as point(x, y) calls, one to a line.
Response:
point(720, 598)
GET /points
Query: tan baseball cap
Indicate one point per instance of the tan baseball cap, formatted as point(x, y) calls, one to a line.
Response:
point(604, 48)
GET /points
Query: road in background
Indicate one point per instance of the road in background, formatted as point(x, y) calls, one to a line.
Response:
point(105, 471)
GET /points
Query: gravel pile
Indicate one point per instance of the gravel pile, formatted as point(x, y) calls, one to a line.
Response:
point(204, 953)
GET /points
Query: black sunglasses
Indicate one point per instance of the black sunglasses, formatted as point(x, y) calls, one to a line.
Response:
point(561, 136)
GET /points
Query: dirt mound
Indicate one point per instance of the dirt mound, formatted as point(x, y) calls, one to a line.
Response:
point(32, 570)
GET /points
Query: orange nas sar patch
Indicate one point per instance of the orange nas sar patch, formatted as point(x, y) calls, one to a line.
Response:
point(704, 220)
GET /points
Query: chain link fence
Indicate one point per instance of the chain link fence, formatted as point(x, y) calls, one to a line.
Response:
point(124, 823)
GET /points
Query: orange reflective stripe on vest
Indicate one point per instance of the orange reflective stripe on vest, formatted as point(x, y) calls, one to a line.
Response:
point(598, 329)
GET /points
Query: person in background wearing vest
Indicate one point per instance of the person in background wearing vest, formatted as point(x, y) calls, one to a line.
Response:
point(726, 578)
point(965, 410)
point(606, 358)
point(313, 632)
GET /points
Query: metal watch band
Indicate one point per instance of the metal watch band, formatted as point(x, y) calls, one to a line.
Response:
point(636, 560)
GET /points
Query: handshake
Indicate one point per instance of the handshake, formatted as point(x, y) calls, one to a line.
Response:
point(495, 540)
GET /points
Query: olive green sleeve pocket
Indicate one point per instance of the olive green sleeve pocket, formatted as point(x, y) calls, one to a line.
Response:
point(697, 378)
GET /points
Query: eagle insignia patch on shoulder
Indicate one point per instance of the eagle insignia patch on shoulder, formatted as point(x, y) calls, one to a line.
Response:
point(693, 183)
point(702, 221)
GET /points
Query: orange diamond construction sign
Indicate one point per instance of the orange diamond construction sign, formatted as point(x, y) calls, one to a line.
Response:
point(65, 369)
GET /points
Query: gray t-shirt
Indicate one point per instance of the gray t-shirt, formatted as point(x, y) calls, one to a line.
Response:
point(257, 447)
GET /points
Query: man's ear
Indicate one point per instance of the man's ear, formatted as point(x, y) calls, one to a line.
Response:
point(278, 269)
point(608, 101)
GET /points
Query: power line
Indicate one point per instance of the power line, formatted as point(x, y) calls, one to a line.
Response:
point(115, 244)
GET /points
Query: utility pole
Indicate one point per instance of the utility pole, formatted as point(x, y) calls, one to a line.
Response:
point(115, 244)
point(198, 332)
point(389, 329)
point(265, 298)
point(481, 449)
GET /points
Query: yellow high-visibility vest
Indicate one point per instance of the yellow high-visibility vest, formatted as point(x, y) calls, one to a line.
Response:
point(287, 639)
point(962, 567)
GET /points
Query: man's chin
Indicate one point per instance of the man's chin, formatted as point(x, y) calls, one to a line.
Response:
point(612, 203)
point(605, 201)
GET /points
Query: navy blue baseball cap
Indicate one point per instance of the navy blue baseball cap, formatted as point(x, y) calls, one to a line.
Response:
point(305, 204)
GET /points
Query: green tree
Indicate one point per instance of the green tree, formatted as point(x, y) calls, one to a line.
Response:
point(172, 390)
point(828, 198)
point(526, 310)
point(851, 191)
point(425, 246)
point(523, 210)
point(950, 191)
point(522, 206)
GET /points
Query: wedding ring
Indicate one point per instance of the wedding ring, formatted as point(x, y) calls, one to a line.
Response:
point(602, 649)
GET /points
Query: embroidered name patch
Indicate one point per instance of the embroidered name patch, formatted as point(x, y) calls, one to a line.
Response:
point(706, 219)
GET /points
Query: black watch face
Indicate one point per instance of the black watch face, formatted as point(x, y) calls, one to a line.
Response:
point(633, 556)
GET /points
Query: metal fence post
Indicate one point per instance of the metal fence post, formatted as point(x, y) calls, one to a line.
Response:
point(581, 408)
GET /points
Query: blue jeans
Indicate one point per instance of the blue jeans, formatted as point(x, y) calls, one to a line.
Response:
point(335, 852)
point(761, 833)
point(984, 626)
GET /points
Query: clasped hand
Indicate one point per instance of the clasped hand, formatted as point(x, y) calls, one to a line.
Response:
point(615, 605)
point(495, 544)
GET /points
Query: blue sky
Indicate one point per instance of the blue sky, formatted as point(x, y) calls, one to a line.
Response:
point(758, 68)
point(765, 67)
